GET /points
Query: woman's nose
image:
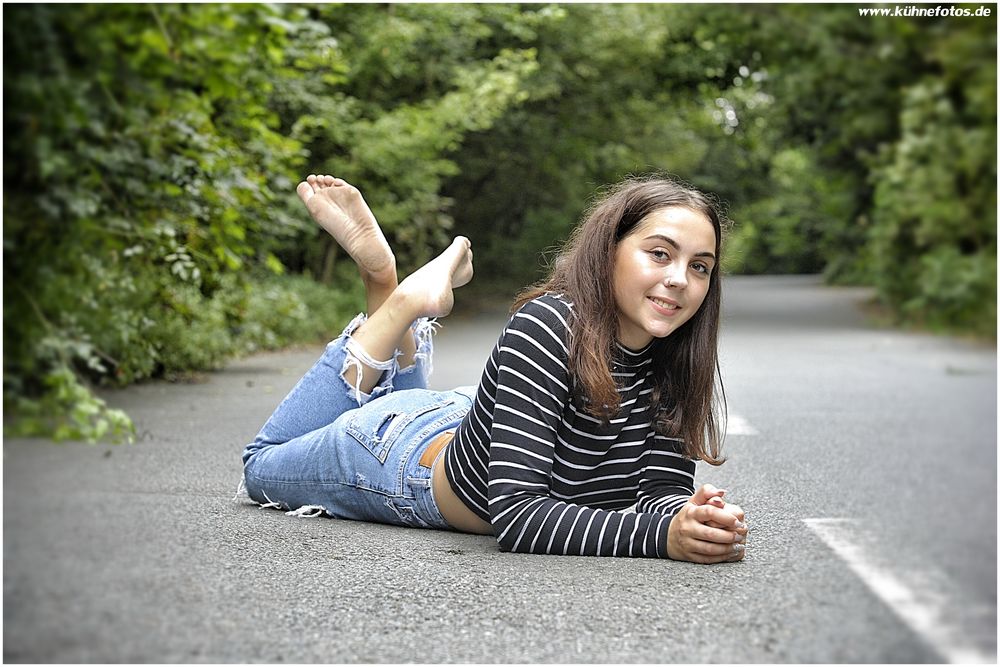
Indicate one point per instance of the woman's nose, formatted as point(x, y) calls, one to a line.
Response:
point(675, 277)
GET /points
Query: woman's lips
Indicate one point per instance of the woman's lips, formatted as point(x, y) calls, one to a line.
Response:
point(664, 307)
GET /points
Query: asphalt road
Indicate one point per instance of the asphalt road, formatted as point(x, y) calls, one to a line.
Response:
point(865, 459)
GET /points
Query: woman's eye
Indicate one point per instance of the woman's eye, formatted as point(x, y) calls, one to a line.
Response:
point(659, 255)
point(701, 268)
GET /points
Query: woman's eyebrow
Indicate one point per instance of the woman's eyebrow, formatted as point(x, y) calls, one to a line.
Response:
point(677, 245)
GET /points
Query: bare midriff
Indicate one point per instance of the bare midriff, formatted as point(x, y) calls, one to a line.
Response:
point(454, 511)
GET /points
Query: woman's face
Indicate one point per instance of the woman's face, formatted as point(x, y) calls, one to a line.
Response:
point(662, 272)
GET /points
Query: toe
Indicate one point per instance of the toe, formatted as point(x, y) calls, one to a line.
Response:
point(305, 191)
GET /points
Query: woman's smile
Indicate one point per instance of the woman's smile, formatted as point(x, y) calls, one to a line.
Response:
point(666, 307)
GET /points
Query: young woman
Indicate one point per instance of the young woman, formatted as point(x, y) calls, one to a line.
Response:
point(582, 434)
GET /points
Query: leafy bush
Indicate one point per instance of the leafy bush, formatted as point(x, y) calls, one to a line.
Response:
point(140, 166)
point(188, 333)
point(934, 224)
point(787, 230)
point(150, 160)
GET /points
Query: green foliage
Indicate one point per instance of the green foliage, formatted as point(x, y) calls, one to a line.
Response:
point(151, 153)
point(801, 136)
point(901, 118)
point(786, 230)
point(421, 78)
point(150, 165)
point(139, 166)
point(262, 312)
point(618, 90)
point(934, 232)
point(67, 411)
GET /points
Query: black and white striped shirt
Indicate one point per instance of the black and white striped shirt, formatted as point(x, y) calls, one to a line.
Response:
point(549, 477)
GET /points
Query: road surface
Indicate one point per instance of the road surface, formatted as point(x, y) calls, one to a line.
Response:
point(865, 459)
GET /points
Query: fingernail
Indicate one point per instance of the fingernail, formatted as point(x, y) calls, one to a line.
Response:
point(737, 548)
point(739, 538)
point(740, 525)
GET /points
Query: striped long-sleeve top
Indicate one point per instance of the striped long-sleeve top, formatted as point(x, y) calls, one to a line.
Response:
point(546, 475)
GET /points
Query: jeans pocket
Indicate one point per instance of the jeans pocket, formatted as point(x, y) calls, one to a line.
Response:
point(377, 430)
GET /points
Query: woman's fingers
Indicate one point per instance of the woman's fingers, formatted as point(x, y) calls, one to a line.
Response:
point(736, 511)
point(708, 544)
point(706, 513)
point(709, 552)
point(705, 493)
point(712, 541)
point(705, 533)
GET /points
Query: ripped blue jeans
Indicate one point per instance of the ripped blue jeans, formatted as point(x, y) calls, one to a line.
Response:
point(330, 449)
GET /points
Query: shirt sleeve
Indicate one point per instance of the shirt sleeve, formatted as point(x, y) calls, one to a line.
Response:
point(533, 386)
point(668, 482)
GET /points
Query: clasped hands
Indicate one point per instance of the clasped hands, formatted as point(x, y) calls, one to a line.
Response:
point(707, 529)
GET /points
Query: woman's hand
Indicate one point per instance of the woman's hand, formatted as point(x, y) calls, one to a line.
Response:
point(707, 529)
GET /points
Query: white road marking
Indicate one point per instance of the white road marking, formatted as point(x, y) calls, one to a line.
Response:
point(923, 610)
point(736, 425)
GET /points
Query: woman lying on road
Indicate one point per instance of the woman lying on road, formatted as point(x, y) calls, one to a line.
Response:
point(598, 396)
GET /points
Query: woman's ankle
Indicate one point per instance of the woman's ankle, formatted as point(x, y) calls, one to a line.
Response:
point(383, 281)
point(377, 294)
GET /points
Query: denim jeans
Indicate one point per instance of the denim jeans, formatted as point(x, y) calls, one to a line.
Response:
point(330, 449)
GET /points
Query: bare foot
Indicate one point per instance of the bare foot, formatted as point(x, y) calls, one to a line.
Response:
point(340, 209)
point(430, 287)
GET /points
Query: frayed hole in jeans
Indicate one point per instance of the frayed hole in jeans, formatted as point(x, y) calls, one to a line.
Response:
point(357, 358)
point(308, 511)
point(407, 516)
point(270, 503)
point(423, 334)
point(241, 490)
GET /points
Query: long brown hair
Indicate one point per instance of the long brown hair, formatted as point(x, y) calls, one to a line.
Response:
point(686, 363)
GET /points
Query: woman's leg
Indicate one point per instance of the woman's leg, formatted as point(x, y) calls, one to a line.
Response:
point(338, 207)
point(426, 293)
point(329, 448)
point(367, 465)
point(352, 361)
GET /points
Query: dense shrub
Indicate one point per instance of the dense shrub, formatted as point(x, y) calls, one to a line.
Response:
point(192, 333)
point(934, 242)
point(150, 158)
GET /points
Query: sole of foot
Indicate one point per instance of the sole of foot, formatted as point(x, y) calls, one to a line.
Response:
point(338, 207)
point(430, 288)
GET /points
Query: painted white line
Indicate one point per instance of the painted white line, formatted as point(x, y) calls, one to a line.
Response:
point(923, 610)
point(736, 425)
